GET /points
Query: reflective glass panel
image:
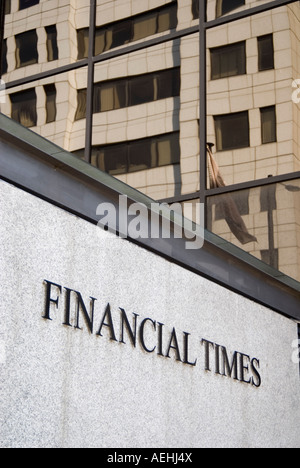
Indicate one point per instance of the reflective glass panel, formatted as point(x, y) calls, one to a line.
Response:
point(23, 107)
point(40, 35)
point(228, 61)
point(136, 107)
point(252, 95)
point(220, 8)
point(119, 26)
point(264, 221)
point(27, 3)
point(26, 48)
point(49, 107)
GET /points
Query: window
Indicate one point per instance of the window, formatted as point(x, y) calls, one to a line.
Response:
point(138, 155)
point(7, 7)
point(167, 18)
point(50, 92)
point(168, 149)
point(265, 53)
point(232, 131)
point(168, 83)
point(110, 96)
point(142, 155)
point(83, 43)
point(154, 86)
point(195, 9)
point(228, 61)
point(129, 30)
point(144, 26)
point(81, 104)
point(131, 91)
point(226, 6)
point(112, 159)
point(26, 49)
point(103, 41)
point(268, 124)
point(27, 3)
point(52, 49)
point(121, 34)
point(24, 107)
point(4, 58)
point(141, 90)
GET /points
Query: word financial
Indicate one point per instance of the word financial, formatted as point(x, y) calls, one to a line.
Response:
point(151, 335)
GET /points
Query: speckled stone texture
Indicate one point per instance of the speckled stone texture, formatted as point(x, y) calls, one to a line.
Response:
point(64, 387)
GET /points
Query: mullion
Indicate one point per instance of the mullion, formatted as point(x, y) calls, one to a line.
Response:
point(90, 84)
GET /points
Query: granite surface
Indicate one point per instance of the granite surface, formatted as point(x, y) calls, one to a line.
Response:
point(63, 386)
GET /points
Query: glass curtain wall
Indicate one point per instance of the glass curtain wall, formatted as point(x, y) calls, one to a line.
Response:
point(251, 151)
point(184, 101)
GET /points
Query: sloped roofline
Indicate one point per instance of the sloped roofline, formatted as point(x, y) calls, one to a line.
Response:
point(40, 167)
